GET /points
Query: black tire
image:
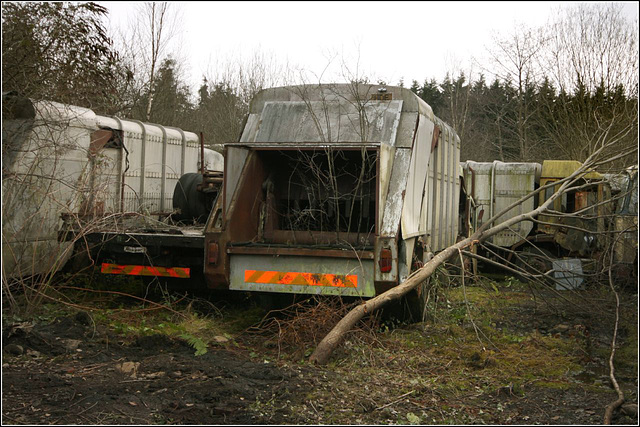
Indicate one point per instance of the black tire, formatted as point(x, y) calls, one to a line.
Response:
point(190, 202)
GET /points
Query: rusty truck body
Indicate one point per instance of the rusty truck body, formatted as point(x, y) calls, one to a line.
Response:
point(336, 189)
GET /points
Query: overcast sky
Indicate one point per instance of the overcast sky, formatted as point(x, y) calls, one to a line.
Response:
point(387, 40)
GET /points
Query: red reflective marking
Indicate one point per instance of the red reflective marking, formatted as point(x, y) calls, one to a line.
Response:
point(141, 270)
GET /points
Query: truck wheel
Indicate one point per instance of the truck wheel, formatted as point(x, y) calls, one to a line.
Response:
point(188, 200)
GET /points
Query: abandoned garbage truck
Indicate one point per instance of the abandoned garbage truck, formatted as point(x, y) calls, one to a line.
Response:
point(335, 189)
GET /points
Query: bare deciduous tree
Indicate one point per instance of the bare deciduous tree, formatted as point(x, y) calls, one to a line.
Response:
point(592, 45)
point(515, 57)
point(145, 45)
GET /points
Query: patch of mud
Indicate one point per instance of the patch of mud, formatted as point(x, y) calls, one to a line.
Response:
point(67, 372)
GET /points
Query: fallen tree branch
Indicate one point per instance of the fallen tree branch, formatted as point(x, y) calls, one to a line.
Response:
point(331, 341)
point(608, 413)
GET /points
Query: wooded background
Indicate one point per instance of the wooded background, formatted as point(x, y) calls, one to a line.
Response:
point(550, 93)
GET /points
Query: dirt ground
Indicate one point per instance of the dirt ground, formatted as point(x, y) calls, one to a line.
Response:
point(536, 366)
point(72, 373)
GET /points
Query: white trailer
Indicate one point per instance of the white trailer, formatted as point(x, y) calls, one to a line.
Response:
point(63, 161)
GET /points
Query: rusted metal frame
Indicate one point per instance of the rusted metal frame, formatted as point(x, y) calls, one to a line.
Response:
point(237, 223)
point(142, 159)
point(240, 208)
point(332, 253)
point(122, 172)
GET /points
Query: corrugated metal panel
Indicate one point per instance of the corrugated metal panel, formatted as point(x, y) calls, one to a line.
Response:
point(497, 185)
point(441, 195)
point(157, 156)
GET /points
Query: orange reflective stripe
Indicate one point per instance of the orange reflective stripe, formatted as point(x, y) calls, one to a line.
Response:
point(134, 270)
point(303, 279)
point(142, 270)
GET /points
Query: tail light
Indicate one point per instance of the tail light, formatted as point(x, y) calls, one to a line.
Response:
point(385, 260)
point(212, 254)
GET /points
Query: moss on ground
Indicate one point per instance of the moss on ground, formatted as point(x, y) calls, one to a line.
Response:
point(494, 339)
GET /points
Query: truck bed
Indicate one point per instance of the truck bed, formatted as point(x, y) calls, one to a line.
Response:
point(152, 248)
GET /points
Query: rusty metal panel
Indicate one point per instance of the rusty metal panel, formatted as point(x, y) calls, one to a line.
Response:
point(305, 275)
point(235, 160)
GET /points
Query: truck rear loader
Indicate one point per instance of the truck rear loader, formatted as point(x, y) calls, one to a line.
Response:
point(336, 189)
